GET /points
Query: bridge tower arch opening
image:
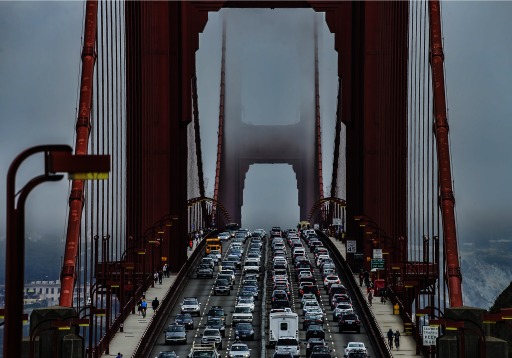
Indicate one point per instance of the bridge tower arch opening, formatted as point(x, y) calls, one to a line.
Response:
point(270, 196)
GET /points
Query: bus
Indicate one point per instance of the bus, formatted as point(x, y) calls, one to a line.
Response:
point(213, 243)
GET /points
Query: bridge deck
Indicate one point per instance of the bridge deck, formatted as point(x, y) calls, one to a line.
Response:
point(135, 326)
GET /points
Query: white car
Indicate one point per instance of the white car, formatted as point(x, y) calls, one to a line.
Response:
point(308, 297)
point(354, 346)
point(224, 236)
point(191, 305)
point(239, 350)
point(246, 302)
point(342, 308)
point(331, 279)
point(310, 305)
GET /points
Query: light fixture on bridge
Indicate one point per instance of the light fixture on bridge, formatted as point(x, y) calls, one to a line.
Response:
point(57, 159)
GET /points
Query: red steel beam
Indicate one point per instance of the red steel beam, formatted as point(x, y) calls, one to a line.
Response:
point(83, 126)
point(443, 157)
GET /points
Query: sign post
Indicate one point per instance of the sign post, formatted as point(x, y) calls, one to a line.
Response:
point(430, 334)
point(351, 246)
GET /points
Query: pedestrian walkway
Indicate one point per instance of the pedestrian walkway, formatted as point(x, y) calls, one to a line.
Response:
point(384, 317)
point(135, 325)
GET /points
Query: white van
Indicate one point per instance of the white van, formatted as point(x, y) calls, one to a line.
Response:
point(283, 323)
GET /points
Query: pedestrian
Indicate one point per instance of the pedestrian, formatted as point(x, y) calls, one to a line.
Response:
point(164, 269)
point(119, 355)
point(370, 297)
point(397, 339)
point(155, 276)
point(390, 338)
point(366, 278)
point(144, 305)
point(160, 276)
point(139, 307)
point(361, 278)
point(155, 304)
point(382, 293)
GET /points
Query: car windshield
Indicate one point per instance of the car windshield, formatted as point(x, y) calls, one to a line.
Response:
point(211, 332)
point(239, 348)
point(189, 301)
point(286, 341)
point(246, 301)
point(176, 329)
point(203, 354)
point(356, 345)
point(244, 326)
point(239, 309)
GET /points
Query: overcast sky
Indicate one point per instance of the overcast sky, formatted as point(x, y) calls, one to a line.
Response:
point(39, 70)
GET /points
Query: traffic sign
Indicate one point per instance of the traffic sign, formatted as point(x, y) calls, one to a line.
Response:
point(377, 253)
point(377, 263)
point(430, 333)
point(351, 246)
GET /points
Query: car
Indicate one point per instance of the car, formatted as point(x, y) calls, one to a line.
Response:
point(288, 344)
point(321, 352)
point(280, 299)
point(309, 287)
point(175, 333)
point(245, 294)
point(217, 254)
point(253, 289)
point(308, 305)
point(216, 311)
point(222, 287)
point(216, 323)
point(349, 322)
point(357, 353)
point(307, 296)
point(211, 335)
point(341, 308)
point(241, 315)
point(246, 302)
point(239, 350)
point(203, 271)
point(315, 331)
point(203, 351)
point(168, 354)
point(330, 279)
point(224, 236)
point(244, 331)
point(185, 319)
point(312, 318)
point(191, 305)
point(282, 354)
point(355, 346)
point(208, 261)
point(312, 343)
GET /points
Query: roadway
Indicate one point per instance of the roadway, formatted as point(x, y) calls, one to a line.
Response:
point(203, 290)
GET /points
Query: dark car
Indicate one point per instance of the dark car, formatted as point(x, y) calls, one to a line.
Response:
point(312, 343)
point(244, 331)
point(312, 318)
point(315, 331)
point(280, 299)
point(217, 323)
point(216, 311)
point(349, 322)
point(357, 353)
point(167, 355)
point(320, 352)
point(336, 288)
point(204, 271)
point(253, 289)
point(185, 319)
point(221, 287)
point(309, 287)
point(175, 333)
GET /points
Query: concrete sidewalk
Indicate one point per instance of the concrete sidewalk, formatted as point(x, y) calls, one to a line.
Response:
point(385, 318)
point(134, 325)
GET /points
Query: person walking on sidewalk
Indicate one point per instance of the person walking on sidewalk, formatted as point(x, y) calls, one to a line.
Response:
point(370, 297)
point(397, 339)
point(155, 304)
point(390, 338)
point(361, 278)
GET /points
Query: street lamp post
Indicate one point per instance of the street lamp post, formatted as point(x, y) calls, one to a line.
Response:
point(58, 158)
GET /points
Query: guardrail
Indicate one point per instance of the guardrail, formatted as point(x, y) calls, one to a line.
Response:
point(373, 329)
